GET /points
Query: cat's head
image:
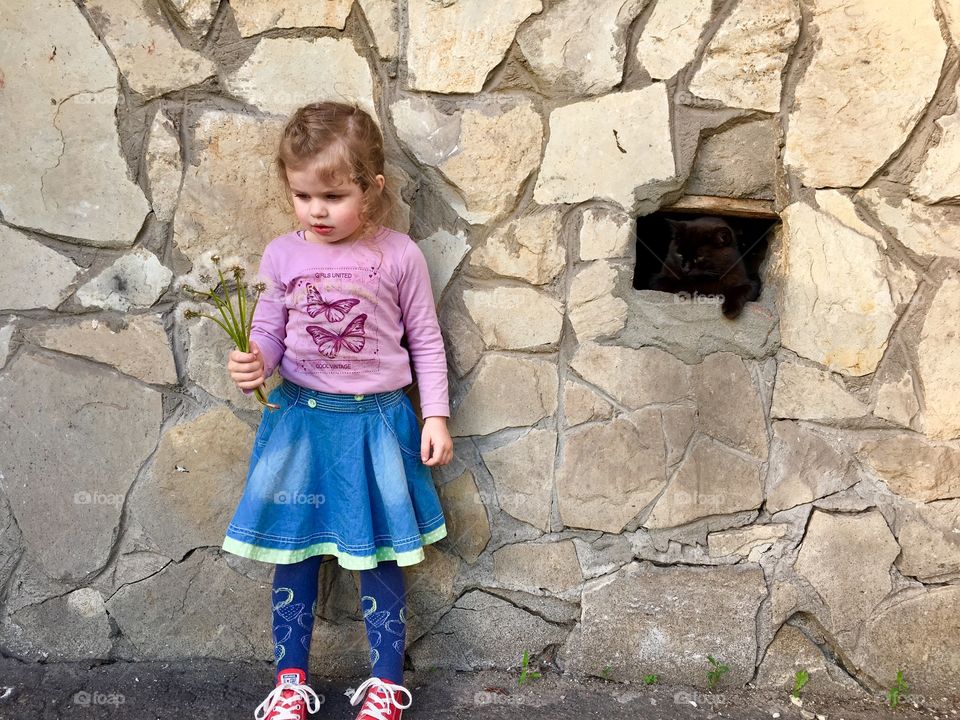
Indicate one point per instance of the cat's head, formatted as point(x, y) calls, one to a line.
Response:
point(702, 246)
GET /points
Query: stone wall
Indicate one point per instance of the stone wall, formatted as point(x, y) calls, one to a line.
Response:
point(639, 481)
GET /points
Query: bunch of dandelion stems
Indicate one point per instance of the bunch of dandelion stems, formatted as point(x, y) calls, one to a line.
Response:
point(235, 323)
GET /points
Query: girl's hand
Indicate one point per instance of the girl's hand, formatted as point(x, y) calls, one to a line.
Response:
point(436, 445)
point(246, 369)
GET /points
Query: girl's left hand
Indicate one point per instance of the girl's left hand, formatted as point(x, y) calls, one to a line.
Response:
point(436, 445)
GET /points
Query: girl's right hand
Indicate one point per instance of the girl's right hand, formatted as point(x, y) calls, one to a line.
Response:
point(246, 368)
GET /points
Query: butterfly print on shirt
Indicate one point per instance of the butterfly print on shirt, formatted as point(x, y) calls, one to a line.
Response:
point(333, 310)
point(329, 342)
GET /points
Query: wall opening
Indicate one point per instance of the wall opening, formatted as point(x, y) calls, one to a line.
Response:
point(706, 249)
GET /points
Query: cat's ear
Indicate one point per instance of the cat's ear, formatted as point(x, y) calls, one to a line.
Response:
point(724, 237)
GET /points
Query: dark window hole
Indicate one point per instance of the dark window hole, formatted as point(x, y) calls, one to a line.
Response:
point(705, 250)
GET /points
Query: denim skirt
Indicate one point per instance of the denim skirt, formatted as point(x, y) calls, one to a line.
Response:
point(336, 475)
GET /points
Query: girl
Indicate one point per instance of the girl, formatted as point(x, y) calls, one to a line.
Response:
point(340, 468)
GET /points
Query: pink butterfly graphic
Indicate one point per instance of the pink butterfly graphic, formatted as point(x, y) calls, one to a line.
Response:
point(329, 343)
point(334, 310)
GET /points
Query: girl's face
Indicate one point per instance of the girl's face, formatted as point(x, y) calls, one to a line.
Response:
point(328, 213)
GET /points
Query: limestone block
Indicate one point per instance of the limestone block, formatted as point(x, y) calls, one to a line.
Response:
point(136, 279)
point(528, 249)
point(807, 393)
point(164, 167)
point(633, 378)
point(912, 466)
point(939, 177)
point(929, 540)
point(452, 46)
point(52, 477)
point(670, 37)
point(604, 490)
point(507, 392)
point(32, 275)
point(338, 73)
point(147, 52)
point(629, 146)
point(594, 311)
point(481, 182)
point(925, 230)
point(744, 61)
point(136, 345)
point(729, 407)
point(468, 529)
point(938, 364)
point(515, 318)
point(605, 234)
point(550, 567)
point(580, 53)
point(740, 162)
point(57, 116)
point(581, 404)
point(522, 471)
point(443, 253)
point(893, 48)
point(256, 16)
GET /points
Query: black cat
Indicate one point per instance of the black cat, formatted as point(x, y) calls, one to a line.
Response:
point(704, 258)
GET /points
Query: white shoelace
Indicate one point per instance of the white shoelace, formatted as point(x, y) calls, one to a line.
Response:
point(286, 706)
point(381, 704)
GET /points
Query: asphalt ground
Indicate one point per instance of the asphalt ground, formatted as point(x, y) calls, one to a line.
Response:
point(220, 690)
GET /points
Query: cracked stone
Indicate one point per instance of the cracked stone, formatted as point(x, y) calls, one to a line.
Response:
point(452, 46)
point(808, 393)
point(507, 392)
point(580, 53)
point(633, 378)
point(526, 249)
point(338, 72)
point(606, 490)
point(847, 558)
point(629, 146)
point(197, 15)
point(69, 628)
point(51, 477)
point(147, 52)
point(32, 275)
point(671, 36)
point(136, 279)
point(894, 48)
point(742, 65)
point(46, 178)
point(939, 177)
point(792, 651)
point(749, 543)
point(515, 318)
point(711, 481)
point(179, 613)
point(184, 510)
point(522, 472)
point(918, 635)
point(663, 615)
point(897, 401)
point(719, 170)
point(804, 466)
point(482, 632)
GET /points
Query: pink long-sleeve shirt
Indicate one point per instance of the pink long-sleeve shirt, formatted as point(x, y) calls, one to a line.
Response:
point(333, 315)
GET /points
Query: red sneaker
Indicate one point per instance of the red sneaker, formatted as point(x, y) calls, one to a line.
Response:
point(381, 702)
point(290, 699)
